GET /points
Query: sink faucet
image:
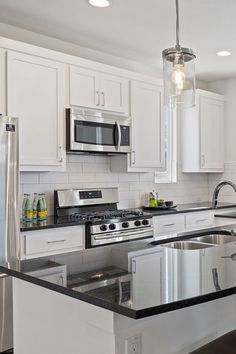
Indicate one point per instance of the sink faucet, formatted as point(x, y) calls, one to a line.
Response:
point(218, 188)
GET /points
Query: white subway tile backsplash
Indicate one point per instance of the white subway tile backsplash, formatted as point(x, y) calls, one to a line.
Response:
point(96, 168)
point(128, 177)
point(29, 177)
point(87, 171)
point(53, 177)
point(81, 158)
point(106, 177)
point(75, 177)
point(74, 166)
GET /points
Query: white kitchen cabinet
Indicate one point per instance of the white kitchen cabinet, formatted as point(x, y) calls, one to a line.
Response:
point(202, 134)
point(199, 219)
point(144, 291)
point(35, 94)
point(53, 273)
point(40, 243)
point(167, 224)
point(147, 138)
point(92, 89)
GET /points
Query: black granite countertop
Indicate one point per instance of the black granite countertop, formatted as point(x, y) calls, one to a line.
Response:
point(189, 208)
point(50, 223)
point(54, 222)
point(142, 279)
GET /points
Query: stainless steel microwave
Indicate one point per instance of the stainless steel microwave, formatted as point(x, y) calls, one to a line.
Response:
point(90, 131)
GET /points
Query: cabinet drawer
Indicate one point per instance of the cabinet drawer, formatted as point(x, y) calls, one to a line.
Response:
point(168, 223)
point(196, 220)
point(52, 241)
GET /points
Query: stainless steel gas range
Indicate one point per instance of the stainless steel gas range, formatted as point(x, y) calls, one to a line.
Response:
point(104, 222)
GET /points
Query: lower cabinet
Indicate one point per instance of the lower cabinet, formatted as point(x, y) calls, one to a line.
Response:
point(53, 273)
point(169, 224)
point(48, 242)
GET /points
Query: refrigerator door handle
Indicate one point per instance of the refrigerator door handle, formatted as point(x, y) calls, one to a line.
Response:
point(12, 217)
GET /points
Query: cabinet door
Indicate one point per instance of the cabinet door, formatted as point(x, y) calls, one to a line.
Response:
point(211, 133)
point(147, 285)
point(84, 89)
point(35, 94)
point(147, 130)
point(114, 93)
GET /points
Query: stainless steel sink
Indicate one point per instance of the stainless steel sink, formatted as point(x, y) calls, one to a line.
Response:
point(215, 239)
point(187, 245)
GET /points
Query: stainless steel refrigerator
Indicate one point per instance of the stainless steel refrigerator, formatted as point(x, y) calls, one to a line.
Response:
point(9, 220)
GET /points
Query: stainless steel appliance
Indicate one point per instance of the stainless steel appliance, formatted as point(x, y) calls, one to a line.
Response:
point(9, 221)
point(97, 132)
point(105, 224)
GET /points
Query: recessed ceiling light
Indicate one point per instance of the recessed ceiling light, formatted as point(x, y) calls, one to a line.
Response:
point(224, 53)
point(100, 3)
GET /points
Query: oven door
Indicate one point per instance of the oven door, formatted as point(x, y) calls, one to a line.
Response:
point(117, 237)
point(99, 134)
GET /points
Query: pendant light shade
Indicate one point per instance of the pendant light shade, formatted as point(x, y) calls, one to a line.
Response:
point(179, 73)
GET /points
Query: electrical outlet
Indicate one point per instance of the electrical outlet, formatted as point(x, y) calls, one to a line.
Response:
point(133, 345)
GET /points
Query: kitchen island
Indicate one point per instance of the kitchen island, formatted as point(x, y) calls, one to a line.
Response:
point(144, 298)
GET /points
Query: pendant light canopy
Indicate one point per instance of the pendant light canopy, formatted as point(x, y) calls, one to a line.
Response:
point(179, 72)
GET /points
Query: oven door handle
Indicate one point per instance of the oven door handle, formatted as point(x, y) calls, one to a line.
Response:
point(123, 233)
point(117, 129)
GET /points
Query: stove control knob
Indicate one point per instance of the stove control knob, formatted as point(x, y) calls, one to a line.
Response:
point(125, 224)
point(112, 226)
point(103, 227)
point(137, 223)
point(145, 222)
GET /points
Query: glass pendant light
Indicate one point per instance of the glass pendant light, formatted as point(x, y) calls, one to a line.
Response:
point(179, 72)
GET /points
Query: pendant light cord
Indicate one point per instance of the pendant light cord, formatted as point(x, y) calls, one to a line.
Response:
point(177, 23)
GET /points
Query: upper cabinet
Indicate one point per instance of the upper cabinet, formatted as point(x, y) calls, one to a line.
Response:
point(35, 94)
point(92, 89)
point(147, 140)
point(202, 134)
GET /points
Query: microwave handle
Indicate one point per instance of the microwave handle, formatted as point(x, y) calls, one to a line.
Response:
point(119, 135)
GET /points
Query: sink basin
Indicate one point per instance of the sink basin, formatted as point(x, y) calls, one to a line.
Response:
point(215, 239)
point(187, 245)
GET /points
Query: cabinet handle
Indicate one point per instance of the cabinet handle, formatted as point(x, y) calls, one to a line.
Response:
point(169, 225)
point(133, 157)
point(60, 154)
point(97, 98)
point(203, 160)
point(103, 99)
point(56, 241)
point(201, 220)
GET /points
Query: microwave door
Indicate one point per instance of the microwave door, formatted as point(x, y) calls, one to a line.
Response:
point(95, 136)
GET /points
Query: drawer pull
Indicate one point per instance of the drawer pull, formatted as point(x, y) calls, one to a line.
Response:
point(56, 241)
point(169, 225)
point(201, 220)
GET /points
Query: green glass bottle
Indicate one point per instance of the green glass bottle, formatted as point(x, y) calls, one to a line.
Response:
point(28, 209)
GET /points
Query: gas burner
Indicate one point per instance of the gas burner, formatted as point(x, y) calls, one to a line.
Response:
point(103, 215)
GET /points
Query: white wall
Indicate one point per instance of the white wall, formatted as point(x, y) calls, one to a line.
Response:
point(40, 40)
point(228, 88)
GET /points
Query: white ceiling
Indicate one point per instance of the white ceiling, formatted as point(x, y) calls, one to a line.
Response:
point(136, 29)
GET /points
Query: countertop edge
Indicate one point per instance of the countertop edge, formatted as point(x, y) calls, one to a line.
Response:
point(131, 313)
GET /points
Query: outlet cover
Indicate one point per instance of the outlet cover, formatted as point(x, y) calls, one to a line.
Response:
point(133, 345)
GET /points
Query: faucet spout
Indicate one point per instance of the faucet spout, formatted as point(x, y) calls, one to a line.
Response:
point(217, 190)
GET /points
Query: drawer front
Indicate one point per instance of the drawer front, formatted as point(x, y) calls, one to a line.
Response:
point(196, 220)
point(170, 223)
point(52, 241)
